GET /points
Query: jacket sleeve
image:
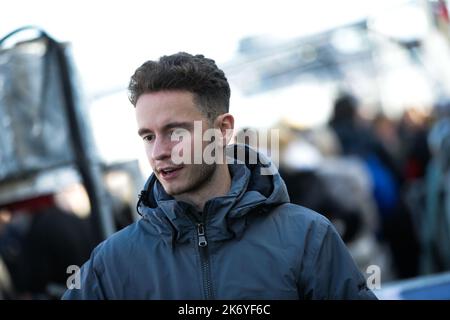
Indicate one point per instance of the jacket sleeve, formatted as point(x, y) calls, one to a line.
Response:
point(328, 270)
point(90, 287)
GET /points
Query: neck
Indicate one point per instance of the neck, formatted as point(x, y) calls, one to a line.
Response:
point(216, 186)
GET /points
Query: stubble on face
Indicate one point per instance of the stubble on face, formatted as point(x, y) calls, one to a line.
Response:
point(198, 177)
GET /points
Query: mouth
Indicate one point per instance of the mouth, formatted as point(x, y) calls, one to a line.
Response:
point(169, 173)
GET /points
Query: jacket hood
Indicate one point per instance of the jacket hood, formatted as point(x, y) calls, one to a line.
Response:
point(252, 191)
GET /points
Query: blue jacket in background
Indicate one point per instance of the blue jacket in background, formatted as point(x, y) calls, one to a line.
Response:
point(249, 244)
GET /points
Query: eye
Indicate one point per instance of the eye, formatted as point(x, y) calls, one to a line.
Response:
point(148, 138)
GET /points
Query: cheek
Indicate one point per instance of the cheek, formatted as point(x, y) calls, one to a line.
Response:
point(184, 148)
point(148, 152)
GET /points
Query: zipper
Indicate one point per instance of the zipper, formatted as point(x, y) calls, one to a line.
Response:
point(204, 258)
point(201, 235)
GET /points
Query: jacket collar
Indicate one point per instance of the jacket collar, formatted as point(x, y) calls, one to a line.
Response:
point(224, 217)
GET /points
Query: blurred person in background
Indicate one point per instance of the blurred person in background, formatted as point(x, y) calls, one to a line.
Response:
point(40, 240)
point(358, 139)
point(434, 200)
point(413, 131)
point(386, 130)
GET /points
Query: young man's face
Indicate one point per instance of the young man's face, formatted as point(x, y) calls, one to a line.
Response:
point(158, 116)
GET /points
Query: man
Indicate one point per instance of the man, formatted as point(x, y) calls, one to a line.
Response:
point(211, 230)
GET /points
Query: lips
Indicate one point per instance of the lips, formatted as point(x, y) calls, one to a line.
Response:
point(169, 173)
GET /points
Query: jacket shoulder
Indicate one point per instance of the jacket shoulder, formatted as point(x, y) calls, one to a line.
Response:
point(290, 211)
point(327, 268)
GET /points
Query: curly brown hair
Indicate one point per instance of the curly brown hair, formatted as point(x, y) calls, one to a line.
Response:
point(183, 71)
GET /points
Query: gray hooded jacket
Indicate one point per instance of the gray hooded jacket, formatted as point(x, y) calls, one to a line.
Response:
point(249, 244)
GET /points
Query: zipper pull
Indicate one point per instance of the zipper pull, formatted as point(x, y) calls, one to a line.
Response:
point(201, 235)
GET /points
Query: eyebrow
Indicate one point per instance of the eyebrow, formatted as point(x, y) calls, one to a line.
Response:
point(171, 125)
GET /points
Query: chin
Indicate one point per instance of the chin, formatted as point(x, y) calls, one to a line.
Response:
point(173, 190)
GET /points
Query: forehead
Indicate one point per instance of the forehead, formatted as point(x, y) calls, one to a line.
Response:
point(157, 109)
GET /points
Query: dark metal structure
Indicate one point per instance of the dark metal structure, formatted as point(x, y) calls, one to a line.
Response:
point(44, 126)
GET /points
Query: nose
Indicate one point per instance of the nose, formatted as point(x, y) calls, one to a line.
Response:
point(162, 149)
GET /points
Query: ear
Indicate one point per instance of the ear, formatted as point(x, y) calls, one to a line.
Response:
point(225, 123)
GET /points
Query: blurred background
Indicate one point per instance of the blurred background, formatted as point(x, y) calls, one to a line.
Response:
point(358, 89)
